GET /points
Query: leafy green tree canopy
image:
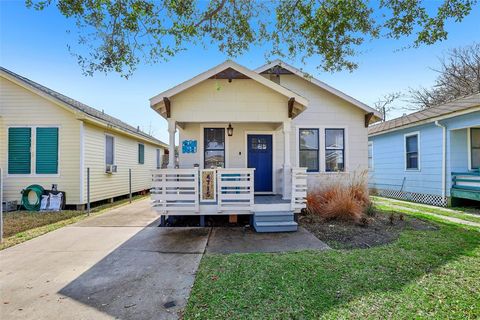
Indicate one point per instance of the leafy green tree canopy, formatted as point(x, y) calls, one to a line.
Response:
point(119, 34)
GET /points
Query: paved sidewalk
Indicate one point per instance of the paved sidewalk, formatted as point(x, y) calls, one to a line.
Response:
point(106, 267)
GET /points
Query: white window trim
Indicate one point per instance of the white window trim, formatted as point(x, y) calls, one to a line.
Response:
point(105, 150)
point(370, 144)
point(201, 143)
point(469, 147)
point(33, 152)
point(321, 138)
point(405, 136)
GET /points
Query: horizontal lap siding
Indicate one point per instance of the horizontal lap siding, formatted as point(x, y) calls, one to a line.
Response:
point(326, 110)
point(389, 161)
point(20, 107)
point(103, 185)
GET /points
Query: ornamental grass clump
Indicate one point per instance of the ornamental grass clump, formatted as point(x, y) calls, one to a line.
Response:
point(342, 199)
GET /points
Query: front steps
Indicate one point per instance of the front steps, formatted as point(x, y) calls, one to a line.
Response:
point(274, 221)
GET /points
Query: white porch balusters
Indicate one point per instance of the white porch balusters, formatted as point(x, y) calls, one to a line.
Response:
point(287, 178)
point(172, 128)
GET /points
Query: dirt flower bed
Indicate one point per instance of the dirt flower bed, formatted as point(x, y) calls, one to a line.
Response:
point(380, 229)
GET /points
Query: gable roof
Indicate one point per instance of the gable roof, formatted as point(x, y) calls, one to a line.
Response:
point(466, 105)
point(158, 101)
point(321, 84)
point(75, 105)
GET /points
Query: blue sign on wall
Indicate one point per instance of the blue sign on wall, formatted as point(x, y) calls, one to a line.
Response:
point(189, 146)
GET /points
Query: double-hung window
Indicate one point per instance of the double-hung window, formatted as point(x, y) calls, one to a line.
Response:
point(214, 147)
point(475, 147)
point(159, 163)
point(109, 150)
point(308, 149)
point(411, 152)
point(141, 153)
point(22, 149)
point(334, 150)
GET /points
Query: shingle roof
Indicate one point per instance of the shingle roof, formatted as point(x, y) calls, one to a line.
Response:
point(457, 105)
point(92, 112)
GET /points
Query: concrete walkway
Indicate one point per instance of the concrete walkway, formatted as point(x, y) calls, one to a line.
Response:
point(395, 204)
point(120, 265)
point(106, 267)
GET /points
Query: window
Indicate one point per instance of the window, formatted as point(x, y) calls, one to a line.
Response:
point(475, 147)
point(334, 150)
point(19, 155)
point(411, 152)
point(308, 148)
point(370, 155)
point(21, 149)
point(159, 164)
point(141, 153)
point(109, 150)
point(46, 151)
point(214, 147)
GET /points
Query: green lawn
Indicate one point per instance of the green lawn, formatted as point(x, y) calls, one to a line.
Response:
point(425, 274)
point(461, 213)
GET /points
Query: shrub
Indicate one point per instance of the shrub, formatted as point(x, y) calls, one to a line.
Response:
point(343, 199)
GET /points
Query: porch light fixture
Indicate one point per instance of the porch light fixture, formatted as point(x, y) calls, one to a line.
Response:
point(230, 130)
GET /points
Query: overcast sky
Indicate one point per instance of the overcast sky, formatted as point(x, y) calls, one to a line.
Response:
point(34, 44)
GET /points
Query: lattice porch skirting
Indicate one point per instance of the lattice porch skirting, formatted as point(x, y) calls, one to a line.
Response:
point(431, 199)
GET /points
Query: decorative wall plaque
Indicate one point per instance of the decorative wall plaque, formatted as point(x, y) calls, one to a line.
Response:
point(189, 146)
point(208, 185)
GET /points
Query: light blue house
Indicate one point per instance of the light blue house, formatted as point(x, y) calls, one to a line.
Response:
point(430, 156)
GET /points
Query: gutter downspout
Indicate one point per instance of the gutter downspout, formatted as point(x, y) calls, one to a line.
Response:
point(444, 158)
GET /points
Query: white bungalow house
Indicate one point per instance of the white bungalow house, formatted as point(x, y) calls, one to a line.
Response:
point(253, 141)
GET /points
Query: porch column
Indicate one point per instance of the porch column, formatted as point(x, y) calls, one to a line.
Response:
point(287, 168)
point(172, 128)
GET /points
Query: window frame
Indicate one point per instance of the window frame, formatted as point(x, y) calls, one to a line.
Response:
point(336, 149)
point(204, 146)
point(138, 154)
point(470, 148)
point(370, 145)
point(405, 136)
point(33, 151)
point(318, 148)
point(113, 149)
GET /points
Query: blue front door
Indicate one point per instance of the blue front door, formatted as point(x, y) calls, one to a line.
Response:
point(260, 158)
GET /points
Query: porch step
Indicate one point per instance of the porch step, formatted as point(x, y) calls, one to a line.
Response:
point(274, 221)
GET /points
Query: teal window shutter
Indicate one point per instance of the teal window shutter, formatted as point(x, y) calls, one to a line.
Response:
point(141, 153)
point(46, 151)
point(19, 156)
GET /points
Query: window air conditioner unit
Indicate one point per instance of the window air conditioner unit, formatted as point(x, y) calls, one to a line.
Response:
point(111, 168)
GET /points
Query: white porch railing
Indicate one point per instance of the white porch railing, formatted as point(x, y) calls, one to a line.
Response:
point(175, 190)
point(235, 189)
point(299, 189)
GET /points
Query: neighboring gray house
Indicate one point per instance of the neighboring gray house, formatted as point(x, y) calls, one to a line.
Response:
point(429, 156)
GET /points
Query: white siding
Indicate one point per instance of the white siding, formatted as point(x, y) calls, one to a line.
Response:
point(104, 185)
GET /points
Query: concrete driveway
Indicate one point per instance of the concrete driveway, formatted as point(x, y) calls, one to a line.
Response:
point(117, 265)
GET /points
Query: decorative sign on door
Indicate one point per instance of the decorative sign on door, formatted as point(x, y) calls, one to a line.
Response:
point(208, 185)
point(189, 146)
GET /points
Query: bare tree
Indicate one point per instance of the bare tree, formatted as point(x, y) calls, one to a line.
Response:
point(458, 76)
point(385, 104)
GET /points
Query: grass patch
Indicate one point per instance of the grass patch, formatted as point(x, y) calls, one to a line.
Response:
point(424, 274)
point(20, 226)
point(463, 213)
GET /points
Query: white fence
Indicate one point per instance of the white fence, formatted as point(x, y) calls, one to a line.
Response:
point(175, 190)
point(235, 189)
point(299, 189)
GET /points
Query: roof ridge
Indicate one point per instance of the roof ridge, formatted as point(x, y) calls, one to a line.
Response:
point(93, 112)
